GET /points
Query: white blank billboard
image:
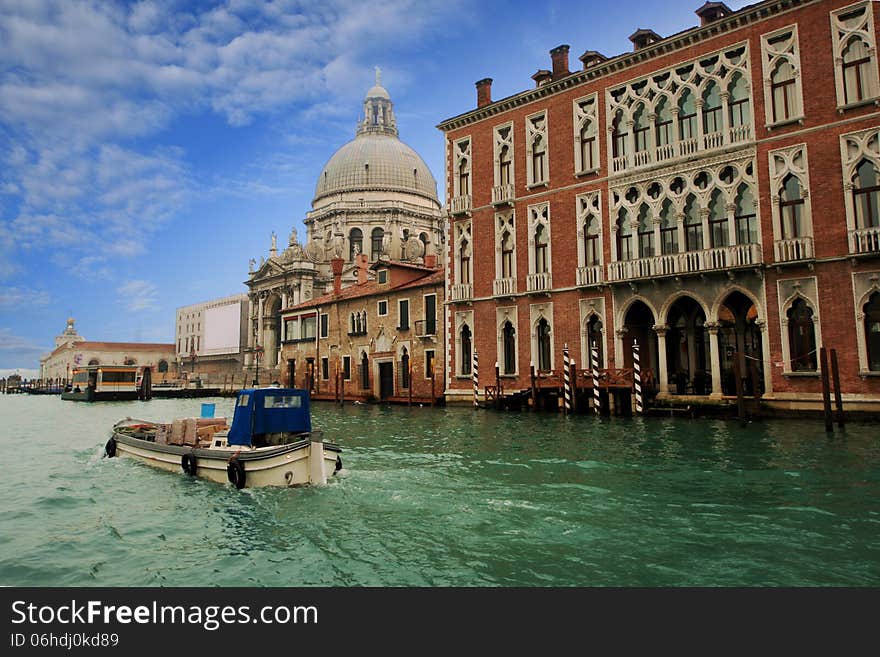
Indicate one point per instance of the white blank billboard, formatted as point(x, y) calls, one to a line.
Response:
point(222, 329)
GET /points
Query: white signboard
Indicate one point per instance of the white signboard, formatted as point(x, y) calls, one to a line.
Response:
point(222, 329)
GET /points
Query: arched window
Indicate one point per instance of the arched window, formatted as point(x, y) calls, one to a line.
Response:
point(504, 166)
point(364, 322)
point(376, 237)
point(464, 262)
point(541, 241)
point(466, 354)
point(544, 364)
point(587, 146)
point(687, 116)
point(738, 101)
point(506, 255)
point(866, 195)
point(791, 207)
point(539, 151)
point(94, 361)
point(624, 236)
point(745, 217)
point(646, 232)
point(856, 60)
point(404, 368)
point(129, 361)
point(693, 225)
point(782, 91)
point(641, 128)
point(663, 123)
point(163, 366)
point(365, 372)
point(464, 184)
point(355, 242)
point(712, 109)
point(508, 347)
point(668, 229)
point(594, 337)
point(801, 337)
point(718, 227)
point(618, 136)
point(591, 241)
point(872, 331)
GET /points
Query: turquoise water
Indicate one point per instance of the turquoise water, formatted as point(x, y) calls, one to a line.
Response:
point(439, 497)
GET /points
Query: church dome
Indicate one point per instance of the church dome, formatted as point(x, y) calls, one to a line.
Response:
point(376, 159)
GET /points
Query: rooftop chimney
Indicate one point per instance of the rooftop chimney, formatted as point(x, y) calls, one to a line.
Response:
point(363, 264)
point(559, 57)
point(712, 11)
point(591, 58)
point(484, 92)
point(431, 260)
point(336, 264)
point(643, 38)
point(542, 77)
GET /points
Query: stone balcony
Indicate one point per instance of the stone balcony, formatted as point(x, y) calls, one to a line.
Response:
point(460, 204)
point(689, 262)
point(502, 195)
point(462, 292)
point(539, 282)
point(590, 275)
point(864, 241)
point(793, 250)
point(502, 287)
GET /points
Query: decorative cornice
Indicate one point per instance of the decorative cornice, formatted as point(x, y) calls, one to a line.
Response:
point(686, 39)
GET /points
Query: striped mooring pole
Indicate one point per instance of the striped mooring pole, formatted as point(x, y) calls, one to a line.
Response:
point(566, 378)
point(637, 376)
point(594, 365)
point(476, 379)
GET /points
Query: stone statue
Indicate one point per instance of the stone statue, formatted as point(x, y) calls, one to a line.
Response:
point(274, 241)
point(293, 237)
point(251, 264)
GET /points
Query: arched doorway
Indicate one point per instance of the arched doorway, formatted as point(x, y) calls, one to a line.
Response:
point(639, 324)
point(739, 334)
point(687, 349)
point(872, 331)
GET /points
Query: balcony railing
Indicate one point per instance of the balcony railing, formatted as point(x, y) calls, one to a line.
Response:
point(689, 262)
point(740, 133)
point(796, 248)
point(539, 282)
point(502, 194)
point(425, 328)
point(462, 292)
point(713, 140)
point(589, 275)
point(618, 163)
point(504, 286)
point(461, 204)
point(865, 240)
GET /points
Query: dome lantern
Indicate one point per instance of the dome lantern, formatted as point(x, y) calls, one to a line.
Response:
point(378, 111)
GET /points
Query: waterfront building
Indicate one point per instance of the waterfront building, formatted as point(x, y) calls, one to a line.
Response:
point(383, 333)
point(375, 196)
point(713, 195)
point(210, 338)
point(73, 350)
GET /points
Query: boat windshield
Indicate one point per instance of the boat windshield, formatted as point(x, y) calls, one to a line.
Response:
point(282, 401)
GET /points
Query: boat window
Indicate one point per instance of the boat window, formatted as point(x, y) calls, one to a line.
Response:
point(243, 400)
point(282, 401)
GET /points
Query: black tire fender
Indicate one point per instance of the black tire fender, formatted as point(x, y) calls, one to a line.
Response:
point(235, 472)
point(338, 464)
point(110, 448)
point(188, 463)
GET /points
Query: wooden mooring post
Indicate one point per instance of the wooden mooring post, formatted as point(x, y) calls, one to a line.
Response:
point(826, 393)
point(534, 387)
point(476, 378)
point(594, 365)
point(737, 375)
point(838, 398)
point(574, 383)
point(566, 380)
point(498, 404)
point(409, 381)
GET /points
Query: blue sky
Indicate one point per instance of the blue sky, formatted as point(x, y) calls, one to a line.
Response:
point(149, 149)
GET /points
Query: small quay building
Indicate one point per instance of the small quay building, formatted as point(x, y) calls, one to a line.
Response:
point(375, 197)
point(72, 351)
point(379, 339)
point(712, 196)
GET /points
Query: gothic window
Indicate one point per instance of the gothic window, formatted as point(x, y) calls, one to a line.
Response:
point(801, 337)
point(591, 241)
point(507, 248)
point(462, 183)
point(466, 352)
point(504, 154)
point(538, 159)
point(855, 57)
point(646, 232)
point(687, 116)
point(541, 242)
point(618, 136)
point(536, 136)
point(624, 236)
point(693, 225)
point(872, 331)
point(782, 91)
point(586, 135)
point(508, 343)
point(641, 129)
point(464, 262)
point(376, 237)
point(712, 121)
point(791, 208)
point(589, 226)
point(539, 225)
point(663, 125)
point(718, 227)
point(738, 101)
point(504, 166)
point(543, 331)
point(745, 216)
point(668, 229)
point(355, 242)
point(594, 337)
point(782, 76)
point(866, 195)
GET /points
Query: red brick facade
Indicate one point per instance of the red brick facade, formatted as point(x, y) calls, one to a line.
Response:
point(818, 264)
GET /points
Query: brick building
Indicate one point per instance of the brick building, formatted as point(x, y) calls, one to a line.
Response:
point(714, 195)
point(385, 334)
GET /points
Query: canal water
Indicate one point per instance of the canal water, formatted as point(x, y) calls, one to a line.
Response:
point(448, 497)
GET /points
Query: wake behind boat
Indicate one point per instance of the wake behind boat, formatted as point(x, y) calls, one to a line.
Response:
point(270, 443)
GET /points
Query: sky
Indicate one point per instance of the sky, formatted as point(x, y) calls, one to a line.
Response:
point(149, 149)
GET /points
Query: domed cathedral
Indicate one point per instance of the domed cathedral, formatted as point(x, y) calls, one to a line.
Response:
point(374, 199)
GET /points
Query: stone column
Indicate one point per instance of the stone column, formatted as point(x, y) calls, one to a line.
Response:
point(619, 358)
point(248, 357)
point(662, 375)
point(260, 337)
point(725, 116)
point(767, 364)
point(715, 356)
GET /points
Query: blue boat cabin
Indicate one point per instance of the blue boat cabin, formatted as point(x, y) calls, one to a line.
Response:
point(267, 416)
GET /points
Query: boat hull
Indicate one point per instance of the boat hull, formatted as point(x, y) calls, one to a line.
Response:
point(93, 396)
point(297, 464)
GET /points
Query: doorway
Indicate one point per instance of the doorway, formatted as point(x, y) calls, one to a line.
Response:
point(386, 380)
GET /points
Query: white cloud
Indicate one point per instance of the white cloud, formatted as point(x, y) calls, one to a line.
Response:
point(19, 349)
point(139, 295)
point(20, 296)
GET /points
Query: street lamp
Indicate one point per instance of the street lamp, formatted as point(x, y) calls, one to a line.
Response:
point(258, 350)
point(192, 355)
